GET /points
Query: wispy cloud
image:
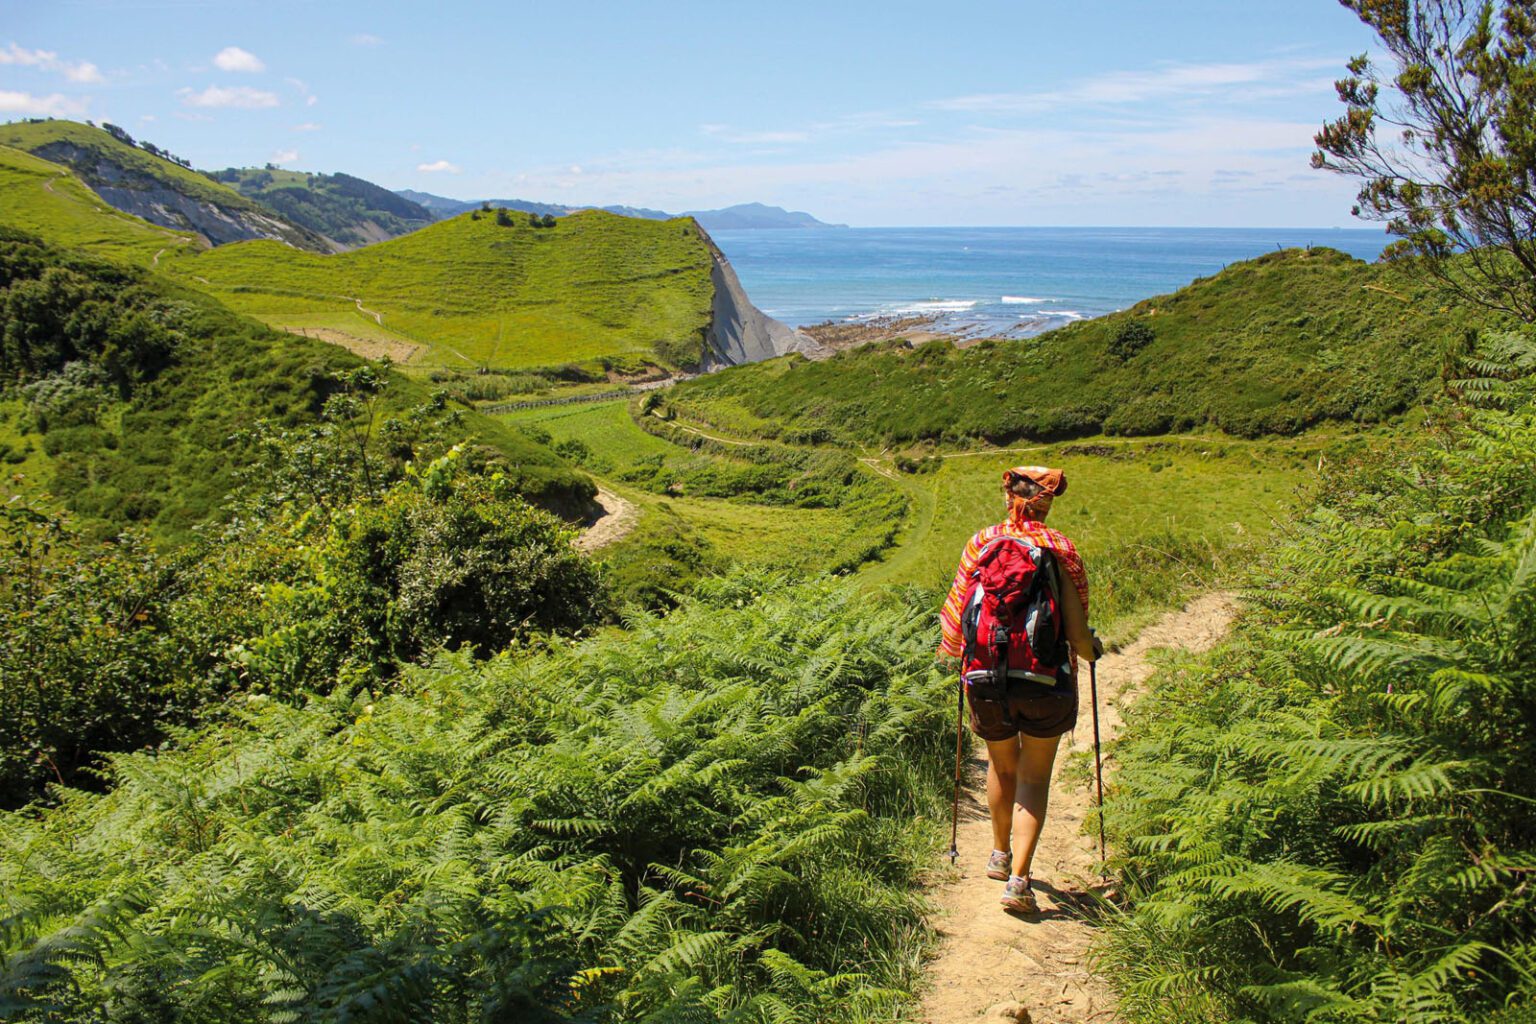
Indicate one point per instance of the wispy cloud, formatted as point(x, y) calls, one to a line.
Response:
point(285, 156)
point(239, 96)
point(726, 133)
point(307, 126)
point(439, 167)
point(302, 88)
point(366, 39)
point(52, 105)
point(1117, 88)
point(81, 72)
point(233, 58)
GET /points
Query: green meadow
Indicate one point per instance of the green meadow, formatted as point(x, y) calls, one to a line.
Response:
point(1154, 518)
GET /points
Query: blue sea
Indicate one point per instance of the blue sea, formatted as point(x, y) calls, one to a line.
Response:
point(994, 282)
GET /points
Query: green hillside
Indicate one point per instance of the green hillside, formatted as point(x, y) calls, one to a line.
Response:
point(348, 211)
point(479, 289)
point(1271, 345)
point(492, 290)
point(143, 183)
point(49, 201)
point(131, 400)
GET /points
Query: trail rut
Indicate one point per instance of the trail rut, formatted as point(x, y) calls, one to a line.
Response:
point(994, 966)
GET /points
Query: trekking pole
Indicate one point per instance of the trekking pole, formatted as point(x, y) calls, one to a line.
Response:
point(1098, 761)
point(954, 807)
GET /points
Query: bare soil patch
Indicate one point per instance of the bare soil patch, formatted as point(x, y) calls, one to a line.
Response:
point(368, 348)
point(992, 965)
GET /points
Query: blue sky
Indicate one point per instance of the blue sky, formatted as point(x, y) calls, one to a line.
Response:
point(1100, 112)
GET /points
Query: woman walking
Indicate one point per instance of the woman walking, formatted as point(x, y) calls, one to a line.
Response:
point(1023, 730)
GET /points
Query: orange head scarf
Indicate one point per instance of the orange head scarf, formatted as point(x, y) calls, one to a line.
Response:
point(1051, 483)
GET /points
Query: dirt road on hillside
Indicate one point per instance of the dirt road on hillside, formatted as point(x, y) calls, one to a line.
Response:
point(993, 966)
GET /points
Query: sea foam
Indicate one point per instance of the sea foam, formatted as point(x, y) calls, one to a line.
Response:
point(1020, 300)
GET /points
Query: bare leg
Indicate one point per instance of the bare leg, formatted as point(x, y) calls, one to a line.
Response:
point(1035, 760)
point(1002, 776)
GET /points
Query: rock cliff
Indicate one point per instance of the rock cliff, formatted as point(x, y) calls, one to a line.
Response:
point(739, 332)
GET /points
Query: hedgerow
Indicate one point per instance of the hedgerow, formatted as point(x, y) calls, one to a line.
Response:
point(1330, 818)
point(717, 815)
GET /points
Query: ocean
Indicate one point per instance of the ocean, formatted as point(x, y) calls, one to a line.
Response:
point(994, 282)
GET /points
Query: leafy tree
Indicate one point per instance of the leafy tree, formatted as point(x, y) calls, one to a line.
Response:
point(1444, 139)
point(503, 217)
point(547, 221)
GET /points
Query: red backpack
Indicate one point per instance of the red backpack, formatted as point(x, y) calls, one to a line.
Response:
point(1012, 619)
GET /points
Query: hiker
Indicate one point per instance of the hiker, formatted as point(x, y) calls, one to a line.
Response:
point(1021, 720)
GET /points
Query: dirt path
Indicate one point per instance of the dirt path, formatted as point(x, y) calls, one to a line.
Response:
point(995, 966)
point(618, 518)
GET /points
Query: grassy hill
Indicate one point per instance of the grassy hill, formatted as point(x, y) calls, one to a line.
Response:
point(1271, 345)
point(150, 186)
point(479, 289)
point(348, 211)
point(129, 395)
point(491, 290)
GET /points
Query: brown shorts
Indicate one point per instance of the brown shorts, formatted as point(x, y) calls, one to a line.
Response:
point(1030, 708)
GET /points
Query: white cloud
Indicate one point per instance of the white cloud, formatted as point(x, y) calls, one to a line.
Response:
point(366, 39)
point(52, 105)
point(81, 72)
point(726, 133)
point(232, 58)
point(307, 126)
point(439, 166)
point(148, 118)
point(285, 156)
point(241, 96)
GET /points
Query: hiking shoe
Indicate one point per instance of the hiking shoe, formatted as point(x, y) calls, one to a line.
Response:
point(999, 865)
point(1017, 897)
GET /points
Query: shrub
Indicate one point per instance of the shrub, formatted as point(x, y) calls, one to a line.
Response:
point(1131, 337)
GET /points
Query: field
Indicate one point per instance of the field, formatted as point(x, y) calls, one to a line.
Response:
point(1153, 518)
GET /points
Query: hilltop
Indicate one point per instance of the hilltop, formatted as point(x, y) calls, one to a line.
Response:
point(148, 185)
point(347, 211)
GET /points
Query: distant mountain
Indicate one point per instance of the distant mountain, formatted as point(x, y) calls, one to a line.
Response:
point(756, 216)
point(141, 179)
point(744, 215)
point(349, 212)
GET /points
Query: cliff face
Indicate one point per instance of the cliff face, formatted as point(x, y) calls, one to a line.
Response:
point(160, 203)
point(739, 332)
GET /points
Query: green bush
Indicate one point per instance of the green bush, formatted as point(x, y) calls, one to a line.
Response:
point(103, 649)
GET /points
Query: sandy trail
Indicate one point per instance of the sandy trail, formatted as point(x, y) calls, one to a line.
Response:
point(995, 966)
point(618, 519)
